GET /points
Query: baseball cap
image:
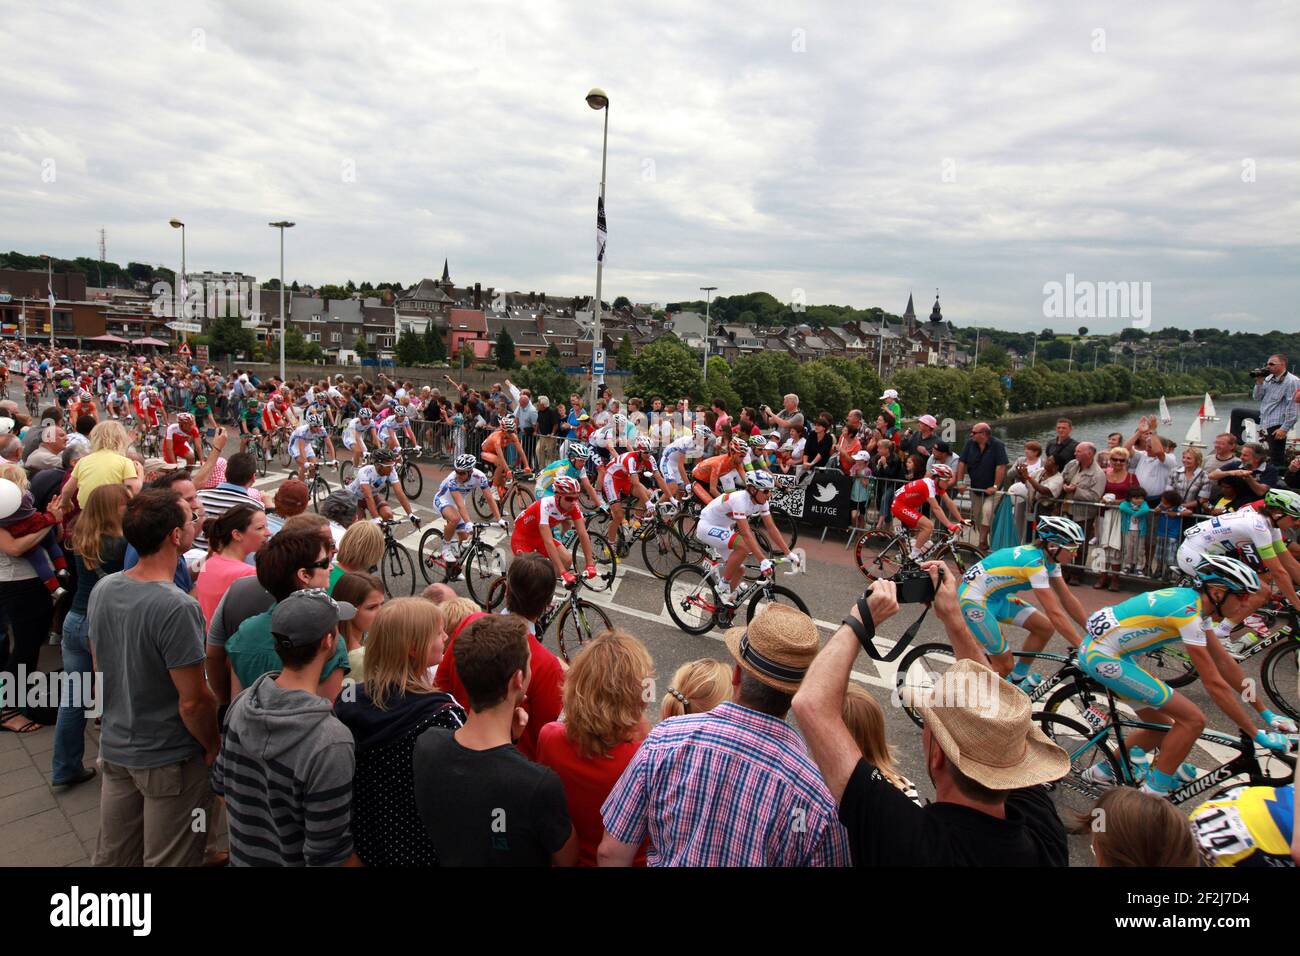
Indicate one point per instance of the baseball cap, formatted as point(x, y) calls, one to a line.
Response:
point(929, 420)
point(890, 393)
point(304, 617)
point(6, 426)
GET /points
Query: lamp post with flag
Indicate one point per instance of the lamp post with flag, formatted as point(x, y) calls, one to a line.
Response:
point(598, 100)
point(708, 291)
point(49, 287)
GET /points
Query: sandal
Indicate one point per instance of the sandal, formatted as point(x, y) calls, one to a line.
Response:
point(26, 727)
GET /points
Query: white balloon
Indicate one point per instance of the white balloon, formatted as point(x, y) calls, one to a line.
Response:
point(11, 498)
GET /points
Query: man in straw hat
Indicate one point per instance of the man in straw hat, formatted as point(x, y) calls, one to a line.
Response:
point(985, 756)
point(733, 786)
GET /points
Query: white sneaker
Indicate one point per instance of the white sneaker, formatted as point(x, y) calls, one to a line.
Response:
point(449, 554)
point(1100, 775)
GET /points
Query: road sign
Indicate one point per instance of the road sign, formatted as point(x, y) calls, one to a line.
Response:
point(202, 353)
point(184, 327)
point(183, 350)
point(598, 361)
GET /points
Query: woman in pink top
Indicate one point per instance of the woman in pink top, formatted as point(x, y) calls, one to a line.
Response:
point(239, 532)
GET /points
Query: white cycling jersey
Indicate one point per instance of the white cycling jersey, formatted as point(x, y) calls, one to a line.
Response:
point(442, 498)
point(725, 510)
point(1247, 534)
point(369, 475)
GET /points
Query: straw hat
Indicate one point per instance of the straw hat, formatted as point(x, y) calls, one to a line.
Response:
point(777, 648)
point(982, 724)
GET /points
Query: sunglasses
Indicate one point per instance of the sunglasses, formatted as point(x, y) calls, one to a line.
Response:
point(322, 565)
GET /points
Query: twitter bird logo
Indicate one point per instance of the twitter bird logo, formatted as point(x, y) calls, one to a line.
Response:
point(825, 493)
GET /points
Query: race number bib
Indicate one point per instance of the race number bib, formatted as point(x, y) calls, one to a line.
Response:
point(1101, 622)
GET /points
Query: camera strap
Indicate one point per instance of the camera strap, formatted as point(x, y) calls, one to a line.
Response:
point(865, 631)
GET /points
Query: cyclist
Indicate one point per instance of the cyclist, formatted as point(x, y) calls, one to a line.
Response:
point(575, 466)
point(203, 419)
point(623, 479)
point(83, 404)
point(272, 421)
point(183, 442)
point(914, 495)
point(302, 444)
point(371, 479)
point(250, 424)
point(705, 475)
point(672, 460)
point(1254, 536)
point(355, 433)
point(724, 525)
point(389, 429)
point(34, 383)
point(987, 596)
point(534, 529)
point(1116, 635)
point(494, 453)
point(449, 501)
point(1254, 826)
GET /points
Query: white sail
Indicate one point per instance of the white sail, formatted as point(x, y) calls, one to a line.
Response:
point(1194, 434)
point(1165, 417)
point(1210, 413)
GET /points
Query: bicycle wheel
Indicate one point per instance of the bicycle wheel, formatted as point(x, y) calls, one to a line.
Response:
point(1074, 792)
point(1075, 698)
point(430, 556)
point(695, 549)
point(662, 551)
point(412, 480)
point(573, 629)
point(962, 556)
point(773, 594)
point(691, 598)
point(880, 554)
point(398, 571)
point(1169, 664)
point(787, 526)
point(285, 458)
point(346, 473)
point(263, 458)
point(320, 489)
point(482, 566)
point(604, 557)
point(1280, 680)
point(598, 523)
point(519, 500)
point(496, 594)
point(478, 500)
point(918, 672)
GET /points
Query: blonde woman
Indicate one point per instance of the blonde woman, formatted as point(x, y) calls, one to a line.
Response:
point(698, 686)
point(107, 464)
point(365, 592)
point(360, 550)
point(387, 714)
point(603, 725)
point(866, 722)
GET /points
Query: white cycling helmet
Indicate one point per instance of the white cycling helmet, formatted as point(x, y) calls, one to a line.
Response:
point(564, 485)
point(1057, 530)
point(315, 421)
point(643, 443)
point(760, 481)
point(465, 462)
point(1237, 576)
point(942, 472)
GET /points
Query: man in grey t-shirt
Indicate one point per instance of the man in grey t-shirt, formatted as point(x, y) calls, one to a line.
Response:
point(790, 415)
point(160, 719)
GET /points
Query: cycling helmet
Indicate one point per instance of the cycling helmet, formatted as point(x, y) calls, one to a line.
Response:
point(382, 456)
point(184, 417)
point(941, 472)
point(564, 485)
point(400, 411)
point(739, 446)
point(703, 431)
point(579, 452)
point(760, 481)
point(643, 443)
point(1236, 576)
point(508, 423)
point(315, 421)
point(757, 441)
point(365, 414)
point(1284, 500)
point(619, 421)
point(200, 399)
point(465, 462)
point(1057, 530)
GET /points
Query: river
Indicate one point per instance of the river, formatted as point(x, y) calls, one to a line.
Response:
point(1095, 427)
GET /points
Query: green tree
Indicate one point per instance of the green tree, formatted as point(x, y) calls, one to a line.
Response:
point(718, 385)
point(505, 350)
point(826, 390)
point(667, 368)
point(763, 378)
point(626, 353)
point(360, 347)
point(410, 350)
point(553, 353)
point(994, 356)
point(622, 302)
point(543, 377)
point(435, 350)
point(1083, 330)
point(294, 287)
point(229, 337)
point(466, 354)
point(295, 344)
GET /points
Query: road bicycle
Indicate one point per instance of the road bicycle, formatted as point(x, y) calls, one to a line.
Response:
point(396, 566)
point(480, 562)
point(316, 485)
point(576, 619)
point(408, 472)
point(513, 502)
point(1098, 740)
point(662, 547)
point(881, 555)
point(691, 595)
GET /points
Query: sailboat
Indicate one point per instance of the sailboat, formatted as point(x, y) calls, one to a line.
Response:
point(1207, 409)
point(1165, 417)
point(1193, 439)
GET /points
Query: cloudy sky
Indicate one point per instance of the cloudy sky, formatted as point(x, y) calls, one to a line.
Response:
point(820, 151)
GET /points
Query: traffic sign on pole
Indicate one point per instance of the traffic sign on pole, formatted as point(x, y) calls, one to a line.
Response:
point(598, 361)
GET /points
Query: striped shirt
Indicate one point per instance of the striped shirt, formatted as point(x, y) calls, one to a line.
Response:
point(731, 787)
point(1276, 397)
point(217, 501)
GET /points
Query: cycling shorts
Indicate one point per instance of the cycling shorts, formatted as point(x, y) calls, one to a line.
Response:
point(985, 616)
point(1123, 676)
point(720, 538)
point(617, 486)
point(905, 513)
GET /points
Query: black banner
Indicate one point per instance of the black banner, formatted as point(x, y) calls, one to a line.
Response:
point(822, 500)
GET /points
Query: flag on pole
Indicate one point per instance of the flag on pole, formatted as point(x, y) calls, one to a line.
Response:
point(601, 233)
point(49, 287)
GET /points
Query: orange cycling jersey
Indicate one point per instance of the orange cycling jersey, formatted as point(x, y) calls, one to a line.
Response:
point(492, 444)
point(715, 467)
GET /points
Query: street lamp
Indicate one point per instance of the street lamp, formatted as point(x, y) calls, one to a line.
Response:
point(49, 288)
point(597, 99)
point(1033, 358)
point(708, 291)
point(181, 312)
point(282, 225)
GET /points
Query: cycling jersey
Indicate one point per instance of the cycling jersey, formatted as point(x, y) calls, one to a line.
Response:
point(1007, 571)
point(369, 475)
point(726, 510)
point(618, 476)
point(1248, 535)
point(1253, 827)
point(556, 469)
point(176, 445)
point(354, 433)
point(909, 500)
point(527, 535)
point(713, 468)
point(684, 446)
point(442, 498)
point(391, 427)
point(271, 418)
point(1116, 634)
point(304, 433)
point(492, 445)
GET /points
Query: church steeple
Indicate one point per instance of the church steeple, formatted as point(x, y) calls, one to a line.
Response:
point(909, 314)
point(446, 274)
point(935, 314)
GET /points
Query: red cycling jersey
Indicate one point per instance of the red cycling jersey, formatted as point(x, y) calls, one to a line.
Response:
point(271, 418)
point(909, 500)
point(527, 535)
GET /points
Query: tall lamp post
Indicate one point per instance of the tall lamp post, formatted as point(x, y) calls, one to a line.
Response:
point(282, 225)
point(708, 291)
point(181, 312)
point(597, 99)
point(1033, 358)
point(49, 288)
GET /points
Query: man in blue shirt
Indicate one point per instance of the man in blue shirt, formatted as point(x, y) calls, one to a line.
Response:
point(984, 462)
point(1276, 393)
